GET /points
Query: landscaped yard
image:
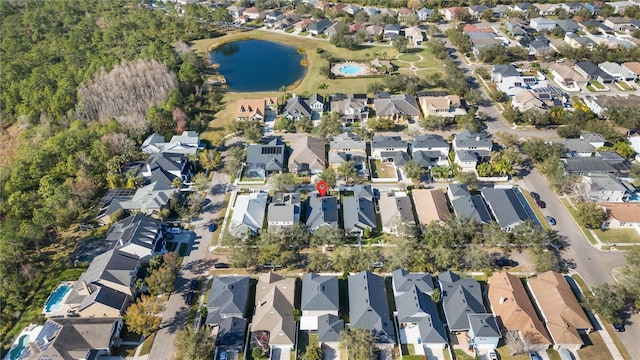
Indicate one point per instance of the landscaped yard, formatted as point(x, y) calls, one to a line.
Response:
point(409, 57)
point(594, 347)
point(613, 236)
point(382, 170)
point(598, 85)
point(624, 86)
point(573, 213)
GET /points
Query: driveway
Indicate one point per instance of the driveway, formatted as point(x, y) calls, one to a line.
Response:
point(196, 264)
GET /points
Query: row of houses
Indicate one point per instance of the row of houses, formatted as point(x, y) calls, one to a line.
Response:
point(359, 209)
point(414, 321)
point(354, 108)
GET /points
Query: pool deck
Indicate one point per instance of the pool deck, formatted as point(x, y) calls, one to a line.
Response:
point(31, 331)
point(64, 308)
point(366, 69)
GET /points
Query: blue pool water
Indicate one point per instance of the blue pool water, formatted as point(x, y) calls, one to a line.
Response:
point(16, 351)
point(55, 299)
point(351, 69)
point(635, 197)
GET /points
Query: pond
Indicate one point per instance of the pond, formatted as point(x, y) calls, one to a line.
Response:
point(258, 65)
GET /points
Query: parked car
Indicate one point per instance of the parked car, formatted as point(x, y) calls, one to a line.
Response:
point(377, 264)
point(551, 220)
point(618, 327)
point(506, 263)
point(174, 230)
point(212, 227)
point(493, 355)
point(565, 354)
point(541, 204)
point(269, 265)
point(535, 196)
point(193, 284)
point(534, 356)
point(188, 299)
point(221, 265)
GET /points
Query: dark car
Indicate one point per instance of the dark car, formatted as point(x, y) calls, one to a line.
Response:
point(551, 220)
point(506, 263)
point(541, 204)
point(535, 195)
point(212, 227)
point(618, 327)
point(221, 265)
point(188, 299)
point(193, 284)
point(534, 356)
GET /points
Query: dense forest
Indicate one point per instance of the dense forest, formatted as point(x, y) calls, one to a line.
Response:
point(74, 74)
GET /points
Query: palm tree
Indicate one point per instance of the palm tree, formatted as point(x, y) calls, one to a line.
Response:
point(322, 87)
point(283, 90)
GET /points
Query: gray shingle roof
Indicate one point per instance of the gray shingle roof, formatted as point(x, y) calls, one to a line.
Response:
point(399, 157)
point(297, 107)
point(321, 211)
point(428, 142)
point(460, 298)
point(466, 206)
point(329, 328)
point(399, 104)
point(505, 206)
point(359, 209)
point(137, 229)
point(469, 140)
point(484, 325)
point(388, 142)
point(368, 307)
point(575, 145)
point(231, 332)
point(228, 297)
point(588, 165)
point(405, 281)
point(348, 140)
point(319, 292)
point(506, 70)
point(270, 155)
point(431, 328)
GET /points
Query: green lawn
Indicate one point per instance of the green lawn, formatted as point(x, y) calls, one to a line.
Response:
point(614, 236)
point(146, 345)
point(624, 86)
point(382, 170)
point(573, 213)
point(598, 85)
point(459, 354)
point(504, 354)
point(409, 57)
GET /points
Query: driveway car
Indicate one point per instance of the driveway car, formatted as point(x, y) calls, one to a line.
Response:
point(493, 355)
point(212, 227)
point(506, 263)
point(618, 327)
point(188, 299)
point(221, 265)
point(551, 220)
point(541, 204)
point(377, 265)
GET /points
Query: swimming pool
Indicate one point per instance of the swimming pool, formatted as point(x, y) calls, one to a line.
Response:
point(634, 197)
point(14, 354)
point(54, 302)
point(351, 69)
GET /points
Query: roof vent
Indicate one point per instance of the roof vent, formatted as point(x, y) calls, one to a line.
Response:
point(502, 300)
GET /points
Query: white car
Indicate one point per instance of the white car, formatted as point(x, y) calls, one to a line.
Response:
point(174, 230)
point(493, 355)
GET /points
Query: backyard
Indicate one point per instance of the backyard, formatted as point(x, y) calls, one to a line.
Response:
point(382, 170)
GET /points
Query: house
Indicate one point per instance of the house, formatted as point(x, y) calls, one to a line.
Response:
point(386, 144)
point(592, 72)
point(335, 28)
point(352, 9)
point(138, 235)
point(338, 7)
point(618, 23)
point(391, 31)
point(467, 206)
point(273, 16)
point(431, 205)
point(256, 109)
point(622, 215)
point(248, 214)
point(228, 298)
point(594, 7)
point(286, 23)
point(510, 80)
point(253, 13)
point(546, 9)
point(525, 100)
point(587, 165)
point(441, 106)
point(322, 5)
point(167, 166)
point(188, 143)
point(403, 12)
point(359, 211)
point(329, 328)
point(73, 338)
point(417, 315)
point(351, 107)
point(348, 147)
point(374, 31)
point(273, 321)
point(600, 104)
point(368, 308)
point(484, 39)
point(633, 67)
point(395, 209)
point(429, 150)
point(577, 41)
point(424, 14)
point(284, 211)
point(512, 23)
point(620, 6)
point(505, 206)
point(414, 35)
point(568, 25)
point(266, 158)
point(319, 27)
point(235, 11)
point(460, 297)
point(571, 7)
point(619, 72)
point(541, 48)
point(607, 188)
point(594, 139)
point(476, 11)
point(484, 333)
point(298, 107)
point(514, 311)
point(566, 76)
point(542, 24)
point(319, 297)
point(522, 7)
point(634, 141)
point(575, 147)
point(321, 211)
point(454, 13)
point(303, 25)
point(147, 200)
point(470, 149)
point(560, 310)
point(396, 107)
point(307, 156)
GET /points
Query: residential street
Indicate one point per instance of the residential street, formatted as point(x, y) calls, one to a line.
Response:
point(196, 263)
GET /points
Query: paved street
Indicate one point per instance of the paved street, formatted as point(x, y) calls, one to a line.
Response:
point(195, 264)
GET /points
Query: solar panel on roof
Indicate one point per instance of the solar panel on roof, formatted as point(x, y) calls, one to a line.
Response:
point(46, 334)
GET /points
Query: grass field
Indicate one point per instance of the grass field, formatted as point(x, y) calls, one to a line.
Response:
point(409, 57)
point(614, 236)
point(313, 77)
point(380, 170)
